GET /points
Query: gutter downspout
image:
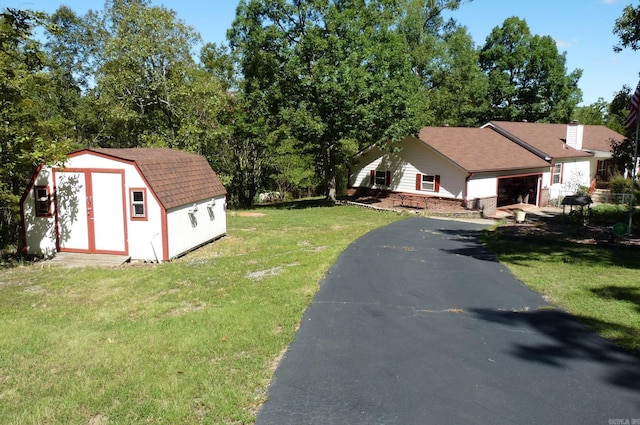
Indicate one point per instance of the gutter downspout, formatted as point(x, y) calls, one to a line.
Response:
point(466, 189)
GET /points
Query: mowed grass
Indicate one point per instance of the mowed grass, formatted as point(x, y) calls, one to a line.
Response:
point(186, 342)
point(598, 285)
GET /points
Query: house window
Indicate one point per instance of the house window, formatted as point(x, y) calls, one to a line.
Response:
point(557, 173)
point(428, 182)
point(138, 203)
point(43, 201)
point(380, 178)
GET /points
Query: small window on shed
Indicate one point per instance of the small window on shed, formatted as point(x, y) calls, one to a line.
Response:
point(43, 201)
point(138, 203)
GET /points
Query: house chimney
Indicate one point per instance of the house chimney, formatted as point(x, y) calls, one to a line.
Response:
point(575, 132)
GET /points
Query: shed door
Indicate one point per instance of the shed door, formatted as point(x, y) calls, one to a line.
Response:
point(90, 211)
point(71, 211)
point(108, 212)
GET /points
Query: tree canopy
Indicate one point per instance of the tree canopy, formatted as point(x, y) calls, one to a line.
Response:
point(335, 75)
point(627, 28)
point(32, 131)
point(528, 78)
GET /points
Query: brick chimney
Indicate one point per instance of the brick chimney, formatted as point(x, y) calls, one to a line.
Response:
point(574, 135)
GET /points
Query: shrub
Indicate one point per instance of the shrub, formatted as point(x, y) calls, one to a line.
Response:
point(619, 184)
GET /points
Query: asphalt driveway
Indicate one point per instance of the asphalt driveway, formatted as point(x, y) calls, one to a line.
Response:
point(417, 324)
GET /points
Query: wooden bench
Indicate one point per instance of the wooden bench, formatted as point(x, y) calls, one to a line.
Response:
point(410, 200)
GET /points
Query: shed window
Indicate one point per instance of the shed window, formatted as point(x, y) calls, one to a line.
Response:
point(557, 173)
point(138, 203)
point(43, 201)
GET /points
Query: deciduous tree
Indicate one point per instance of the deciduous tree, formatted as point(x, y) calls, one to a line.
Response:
point(32, 127)
point(333, 72)
point(528, 78)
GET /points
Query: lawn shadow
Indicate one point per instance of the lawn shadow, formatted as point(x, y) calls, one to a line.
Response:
point(571, 339)
point(622, 293)
point(522, 249)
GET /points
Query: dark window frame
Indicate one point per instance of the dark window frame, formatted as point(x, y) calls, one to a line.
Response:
point(42, 203)
point(136, 204)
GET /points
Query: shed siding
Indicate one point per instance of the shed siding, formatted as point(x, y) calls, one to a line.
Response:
point(40, 232)
point(189, 228)
point(145, 236)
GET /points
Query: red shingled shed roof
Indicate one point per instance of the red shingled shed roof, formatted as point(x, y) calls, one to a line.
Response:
point(479, 149)
point(176, 177)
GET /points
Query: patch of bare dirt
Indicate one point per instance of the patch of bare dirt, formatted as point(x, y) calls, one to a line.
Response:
point(249, 214)
point(567, 232)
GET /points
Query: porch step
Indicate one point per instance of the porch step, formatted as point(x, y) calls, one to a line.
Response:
point(601, 196)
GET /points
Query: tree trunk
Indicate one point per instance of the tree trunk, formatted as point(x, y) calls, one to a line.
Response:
point(329, 173)
point(331, 188)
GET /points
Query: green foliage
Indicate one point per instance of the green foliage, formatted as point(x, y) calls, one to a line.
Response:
point(627, 28)
point(33, 129)
point(528, 79)
point(620, 184)
point(594, 114)
point(328, 71)
point(609, 214)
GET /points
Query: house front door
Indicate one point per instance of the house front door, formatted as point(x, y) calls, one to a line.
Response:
point(90, 211)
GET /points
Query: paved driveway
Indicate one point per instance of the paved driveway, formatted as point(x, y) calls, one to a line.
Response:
point(417, 324)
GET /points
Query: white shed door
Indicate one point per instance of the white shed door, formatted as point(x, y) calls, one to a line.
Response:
point(108, 212)
point(91, 211)
point(71, 201)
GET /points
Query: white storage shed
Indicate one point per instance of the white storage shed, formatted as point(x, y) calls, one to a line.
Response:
point(151, 204)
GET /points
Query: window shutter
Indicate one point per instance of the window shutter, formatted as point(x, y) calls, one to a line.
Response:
point(437, 184)
point(418, 181)
point(373, 177)
point(387, 179)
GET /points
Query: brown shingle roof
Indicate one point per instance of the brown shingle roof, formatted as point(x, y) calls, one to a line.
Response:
point(599, 138)
point(551, 138)
point(176, 177)
point(479, 149)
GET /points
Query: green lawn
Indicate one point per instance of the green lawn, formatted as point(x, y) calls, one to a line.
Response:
point(191, 341)
point(196, 340)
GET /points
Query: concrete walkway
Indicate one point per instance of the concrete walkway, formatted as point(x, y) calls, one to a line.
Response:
point(416, 323)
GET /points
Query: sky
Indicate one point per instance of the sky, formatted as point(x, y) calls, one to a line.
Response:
point(581, 28)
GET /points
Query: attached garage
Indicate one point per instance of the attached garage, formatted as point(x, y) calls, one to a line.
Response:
point(520, 189)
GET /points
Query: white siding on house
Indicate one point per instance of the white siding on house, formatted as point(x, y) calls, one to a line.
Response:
point(414, 158)
point(189, 227)
point(482, 186)
point(575, 173)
